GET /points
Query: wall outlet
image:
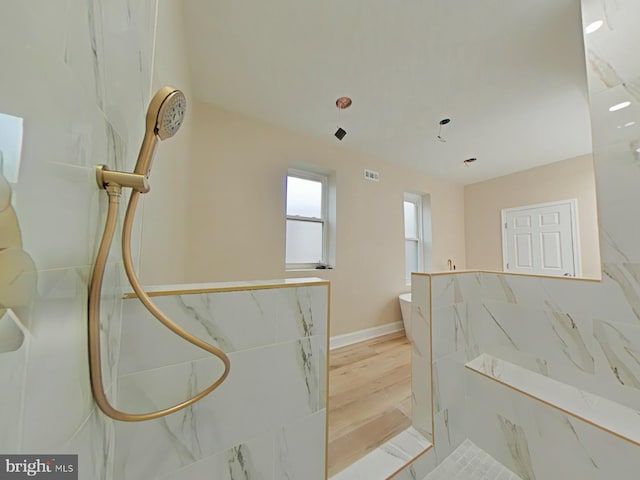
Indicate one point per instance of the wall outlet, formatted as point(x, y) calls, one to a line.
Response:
point(371, 175)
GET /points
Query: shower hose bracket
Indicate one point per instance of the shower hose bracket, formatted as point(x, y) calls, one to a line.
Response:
point(136, 181)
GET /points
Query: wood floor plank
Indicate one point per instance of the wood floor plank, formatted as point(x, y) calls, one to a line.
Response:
point(369, 397)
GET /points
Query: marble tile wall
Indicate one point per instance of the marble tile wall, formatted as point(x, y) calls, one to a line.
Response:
point(539, 442)
point(64, 65)
point(267, 420)
point(585, 334)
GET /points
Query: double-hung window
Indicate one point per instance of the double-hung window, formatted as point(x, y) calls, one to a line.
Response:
point(307, 229)
point(413, 245)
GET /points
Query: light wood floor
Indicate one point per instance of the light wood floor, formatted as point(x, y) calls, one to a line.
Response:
point(369, 397)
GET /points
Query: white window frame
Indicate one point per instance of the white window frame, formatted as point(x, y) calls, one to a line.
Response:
point(416, 199)
point(324, 180)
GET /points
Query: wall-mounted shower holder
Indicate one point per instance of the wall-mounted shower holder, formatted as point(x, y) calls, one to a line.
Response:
point(106, 177)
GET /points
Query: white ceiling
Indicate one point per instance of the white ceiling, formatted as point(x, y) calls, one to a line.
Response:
point(509, 73)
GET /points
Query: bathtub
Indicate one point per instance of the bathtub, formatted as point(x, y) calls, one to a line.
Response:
point(405, 309)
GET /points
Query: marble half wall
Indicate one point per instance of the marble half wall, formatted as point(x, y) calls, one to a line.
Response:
point(266, 421)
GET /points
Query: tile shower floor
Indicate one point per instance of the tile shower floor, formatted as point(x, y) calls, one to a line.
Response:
point(468, 462)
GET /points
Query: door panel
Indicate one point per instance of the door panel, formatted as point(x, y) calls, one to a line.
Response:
point(524, 250)
point(538, 239)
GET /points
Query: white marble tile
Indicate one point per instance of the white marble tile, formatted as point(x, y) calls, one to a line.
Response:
point(453, 330)
point(267, 387)
point(301, 312)
point(539, 442)
point(231, 321)
point(546, 332)
point(495, 286)
point(94, 443)
point(13, 365)
point(455, 288)
point(611, 416)
point(251, 459)
point(419, 468)
point(117, 28)
point(421, 355)
point(620, 344)
point(58, 367)
point(421, 315)
point(301, 373)
point(448, 389)
point(421, 410)
point(300, 449)
point(225, 418)
point(387, 459)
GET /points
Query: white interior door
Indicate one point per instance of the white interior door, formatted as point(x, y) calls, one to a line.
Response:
point(541, 239)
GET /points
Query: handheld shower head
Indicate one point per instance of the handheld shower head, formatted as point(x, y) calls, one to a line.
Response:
point(164, 118)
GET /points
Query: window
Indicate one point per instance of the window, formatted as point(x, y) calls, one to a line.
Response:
point(412, 234)
point(307, 228)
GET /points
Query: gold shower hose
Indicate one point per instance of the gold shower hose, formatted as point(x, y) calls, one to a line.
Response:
point(95, 288)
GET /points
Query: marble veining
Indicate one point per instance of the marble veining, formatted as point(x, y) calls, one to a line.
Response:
point(309, 372)
point(621, 353)
point(96, 42)
point(305, 314)
point(569, 335)
point(615, 273)
point(517, 442)
point(206, 321)
point(500, 327)
point(508, 292)
point(240, 464)
point(603, 70)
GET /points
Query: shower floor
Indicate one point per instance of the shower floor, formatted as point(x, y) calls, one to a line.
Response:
point(369, 397)
point(468, 462)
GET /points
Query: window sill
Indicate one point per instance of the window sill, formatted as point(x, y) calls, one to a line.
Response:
point(309, 269)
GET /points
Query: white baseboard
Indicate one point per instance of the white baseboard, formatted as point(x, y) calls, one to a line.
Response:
point(362, 335)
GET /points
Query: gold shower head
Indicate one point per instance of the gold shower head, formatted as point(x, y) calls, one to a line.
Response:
point(164, 117)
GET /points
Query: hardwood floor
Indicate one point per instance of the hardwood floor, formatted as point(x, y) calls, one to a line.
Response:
point(369, 397)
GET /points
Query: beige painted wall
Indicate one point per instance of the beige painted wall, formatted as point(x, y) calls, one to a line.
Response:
point(236, 226)
point(163, 246)
point(572, 178)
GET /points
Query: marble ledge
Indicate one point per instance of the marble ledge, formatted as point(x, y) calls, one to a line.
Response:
point(442, 273)
point(195, 288)
point(599, 412)
point(388, 459)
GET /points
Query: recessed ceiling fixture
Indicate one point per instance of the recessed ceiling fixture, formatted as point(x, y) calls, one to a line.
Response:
point(619, 106)
point(594, 26)
point(343, 102)
point(628, 124)
point(442, 122)
point(638, 149)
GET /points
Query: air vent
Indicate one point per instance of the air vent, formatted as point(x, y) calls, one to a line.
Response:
point(371, 175)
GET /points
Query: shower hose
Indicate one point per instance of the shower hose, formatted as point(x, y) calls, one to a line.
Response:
point(95, 289)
